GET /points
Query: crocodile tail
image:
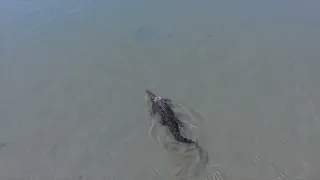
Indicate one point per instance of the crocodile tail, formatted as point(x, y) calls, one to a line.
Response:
point(183, 139)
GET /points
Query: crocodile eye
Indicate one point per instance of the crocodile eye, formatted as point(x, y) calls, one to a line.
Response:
point(157, 98)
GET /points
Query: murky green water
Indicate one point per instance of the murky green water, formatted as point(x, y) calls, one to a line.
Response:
point(73, 75)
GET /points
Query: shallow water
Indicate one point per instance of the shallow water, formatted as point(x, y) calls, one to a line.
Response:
point(73, 75)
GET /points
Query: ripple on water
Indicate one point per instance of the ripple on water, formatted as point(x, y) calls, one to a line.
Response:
point(188, 161)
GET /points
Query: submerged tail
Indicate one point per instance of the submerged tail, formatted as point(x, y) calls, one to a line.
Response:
point(177, 136)
point(184, 140)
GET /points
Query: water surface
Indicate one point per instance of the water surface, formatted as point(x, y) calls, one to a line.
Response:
point(73, 75)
